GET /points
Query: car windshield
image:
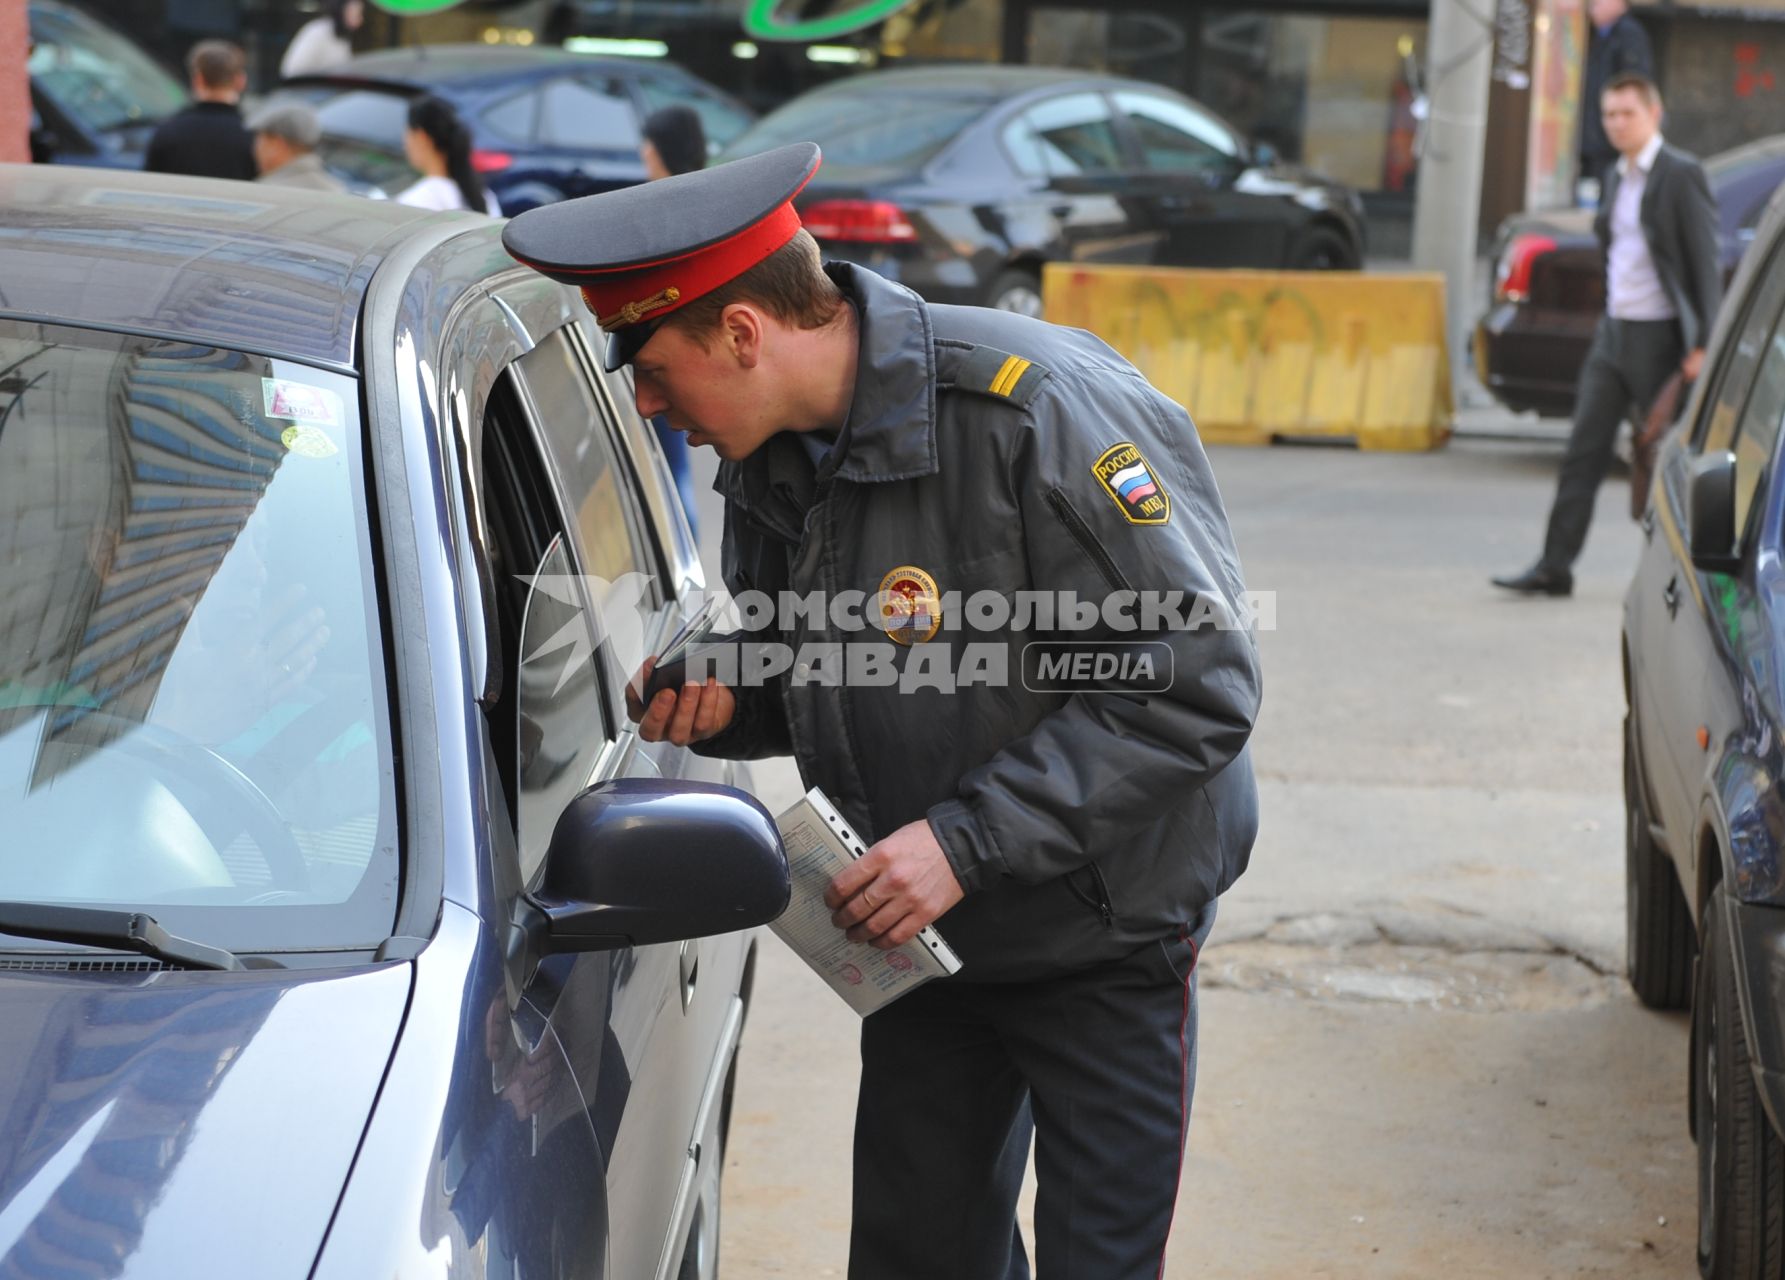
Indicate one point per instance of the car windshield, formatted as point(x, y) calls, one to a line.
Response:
point(193, 715)
point(869, 129)
point(96, 75)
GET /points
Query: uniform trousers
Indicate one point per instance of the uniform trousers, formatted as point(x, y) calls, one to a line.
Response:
point(1626, 366)
point(1097, 1065)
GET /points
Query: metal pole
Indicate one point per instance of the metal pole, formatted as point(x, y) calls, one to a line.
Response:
point(1446, 213)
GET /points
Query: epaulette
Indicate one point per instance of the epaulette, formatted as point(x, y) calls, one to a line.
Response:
point(996, 373)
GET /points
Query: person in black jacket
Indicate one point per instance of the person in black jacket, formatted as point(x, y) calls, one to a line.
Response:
point(208, 138)
point(1618, 44)
point(1658, 228)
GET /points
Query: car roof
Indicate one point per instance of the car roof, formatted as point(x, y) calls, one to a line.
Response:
point(258, 268)
point(979, 81)
point(436, 66)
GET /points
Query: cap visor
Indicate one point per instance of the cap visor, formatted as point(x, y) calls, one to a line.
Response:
point(623, 345)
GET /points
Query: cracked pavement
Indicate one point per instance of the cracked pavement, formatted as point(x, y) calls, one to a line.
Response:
point(1418, 1057)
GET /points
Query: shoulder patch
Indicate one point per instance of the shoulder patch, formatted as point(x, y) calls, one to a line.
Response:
point(1001, 375)
point(1132, 485)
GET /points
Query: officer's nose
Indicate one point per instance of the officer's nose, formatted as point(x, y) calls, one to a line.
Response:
point(649, 400)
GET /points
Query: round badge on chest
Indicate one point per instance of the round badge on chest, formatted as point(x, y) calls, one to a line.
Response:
point(909, 605)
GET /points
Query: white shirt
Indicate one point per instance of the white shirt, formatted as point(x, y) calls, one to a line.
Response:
point(1633, 287)
point(443, 193)
point(314, 49)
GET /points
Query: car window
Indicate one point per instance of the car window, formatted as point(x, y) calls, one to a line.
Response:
point(1064, 136)
point(1757, 434)
point(193, 710)
point(1741, 358)
point(1176, 137)
point(365, 115)
point(609, 533)
point(863, 129)
point(550, 724)
point(587, 115)
point(97, 76)
point(512, 118)
point(719, 119)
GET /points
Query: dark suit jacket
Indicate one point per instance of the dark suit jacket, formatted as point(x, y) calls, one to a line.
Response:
point(1679, 221)
point(206, 140)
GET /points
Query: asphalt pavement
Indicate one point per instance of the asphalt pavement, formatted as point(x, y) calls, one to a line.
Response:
point(1418, 1058)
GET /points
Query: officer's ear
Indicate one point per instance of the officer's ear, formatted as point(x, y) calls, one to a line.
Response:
point(742, 329)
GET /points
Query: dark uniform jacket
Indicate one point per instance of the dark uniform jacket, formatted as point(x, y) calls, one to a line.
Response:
point(1623, 47)
point(1081, 825)
point(1679, 222)
point(205, 140)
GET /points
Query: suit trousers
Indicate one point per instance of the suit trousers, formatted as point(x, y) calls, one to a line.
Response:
point(1097, 1066)
point(1626, 365)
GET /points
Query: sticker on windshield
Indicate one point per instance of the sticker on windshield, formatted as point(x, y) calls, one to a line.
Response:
point(301, 402)
point(307, 442)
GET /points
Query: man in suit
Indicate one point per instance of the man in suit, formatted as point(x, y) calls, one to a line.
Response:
point(1618, 44)
point(1658, 228)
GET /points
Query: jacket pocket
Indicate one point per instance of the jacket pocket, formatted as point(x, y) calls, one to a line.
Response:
point(1081, 533)
point(1094, 894)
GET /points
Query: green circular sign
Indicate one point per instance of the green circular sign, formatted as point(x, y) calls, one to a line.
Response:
point(409, 7)
point(762, 22)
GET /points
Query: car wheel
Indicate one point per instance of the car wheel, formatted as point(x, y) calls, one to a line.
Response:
point(1018, 291)
point(1741, 1162)
point(1658, 934)
point(1323, 249)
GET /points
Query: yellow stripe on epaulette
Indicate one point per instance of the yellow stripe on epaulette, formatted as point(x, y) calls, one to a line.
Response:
point(998, 373)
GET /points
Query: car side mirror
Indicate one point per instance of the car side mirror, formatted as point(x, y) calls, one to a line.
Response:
point(1710, 514)
point(641, 860)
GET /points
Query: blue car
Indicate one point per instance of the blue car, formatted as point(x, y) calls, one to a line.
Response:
point(347, 928)
point(95, 97)
point(546, 125)
point(1704, 773)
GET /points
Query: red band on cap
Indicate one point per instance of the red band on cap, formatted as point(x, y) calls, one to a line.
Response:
point(655, 289)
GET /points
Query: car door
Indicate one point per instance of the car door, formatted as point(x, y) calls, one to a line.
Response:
point(1076, 201)
point(640, 1026)
point(1188, 166)
point(1690, 631)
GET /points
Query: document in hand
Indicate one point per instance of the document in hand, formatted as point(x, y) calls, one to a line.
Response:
point(819, 845)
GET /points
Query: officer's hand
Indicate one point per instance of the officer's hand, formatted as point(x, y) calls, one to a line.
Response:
point(895, 889)
point(1693, 364)
point(692, 714)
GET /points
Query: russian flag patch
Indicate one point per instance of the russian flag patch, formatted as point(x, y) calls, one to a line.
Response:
point(1133, 485)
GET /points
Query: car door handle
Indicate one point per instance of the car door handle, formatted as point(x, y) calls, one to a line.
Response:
point(1648, 523)
point(1670, 596)
point(690, 964)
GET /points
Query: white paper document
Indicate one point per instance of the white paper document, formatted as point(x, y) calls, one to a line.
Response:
point(819, 845)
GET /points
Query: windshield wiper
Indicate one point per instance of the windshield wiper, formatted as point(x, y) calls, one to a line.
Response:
point(115, 930)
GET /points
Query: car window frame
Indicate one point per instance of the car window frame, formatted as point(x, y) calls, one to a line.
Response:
point(1137, 149)
point(1016, 116)
point(600, 84)
point(1762, 482)
point(1728, 354)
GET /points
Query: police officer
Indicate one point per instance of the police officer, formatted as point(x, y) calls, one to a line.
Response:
point(1070, 843)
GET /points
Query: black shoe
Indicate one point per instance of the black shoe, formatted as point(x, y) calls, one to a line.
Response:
point(1539, 581)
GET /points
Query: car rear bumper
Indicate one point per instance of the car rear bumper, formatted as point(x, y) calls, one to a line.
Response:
point(1530, 357)
point(950, 280)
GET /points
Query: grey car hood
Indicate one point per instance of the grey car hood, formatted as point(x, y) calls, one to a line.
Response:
point(189, 1124)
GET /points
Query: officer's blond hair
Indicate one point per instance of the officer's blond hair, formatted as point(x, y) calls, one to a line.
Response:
point(789, 284)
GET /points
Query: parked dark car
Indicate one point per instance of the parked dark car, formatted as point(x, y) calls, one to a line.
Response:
point(347, 929)
point(546, 125)
point(1549, 282)
point(961, 182)
point(1704, 772)
point(96, 97)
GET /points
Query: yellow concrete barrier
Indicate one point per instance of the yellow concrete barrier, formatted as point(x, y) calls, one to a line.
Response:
point(1256, 355)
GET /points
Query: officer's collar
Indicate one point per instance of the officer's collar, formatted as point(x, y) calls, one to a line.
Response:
point(891, 430)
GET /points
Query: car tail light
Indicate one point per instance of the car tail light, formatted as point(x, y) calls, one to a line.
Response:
point(859, 222)
point(1512, 278)
point(490, 161)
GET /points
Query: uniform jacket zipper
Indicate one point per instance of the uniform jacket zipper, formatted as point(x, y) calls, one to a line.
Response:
point(1081, 533)
point(1101, 901)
